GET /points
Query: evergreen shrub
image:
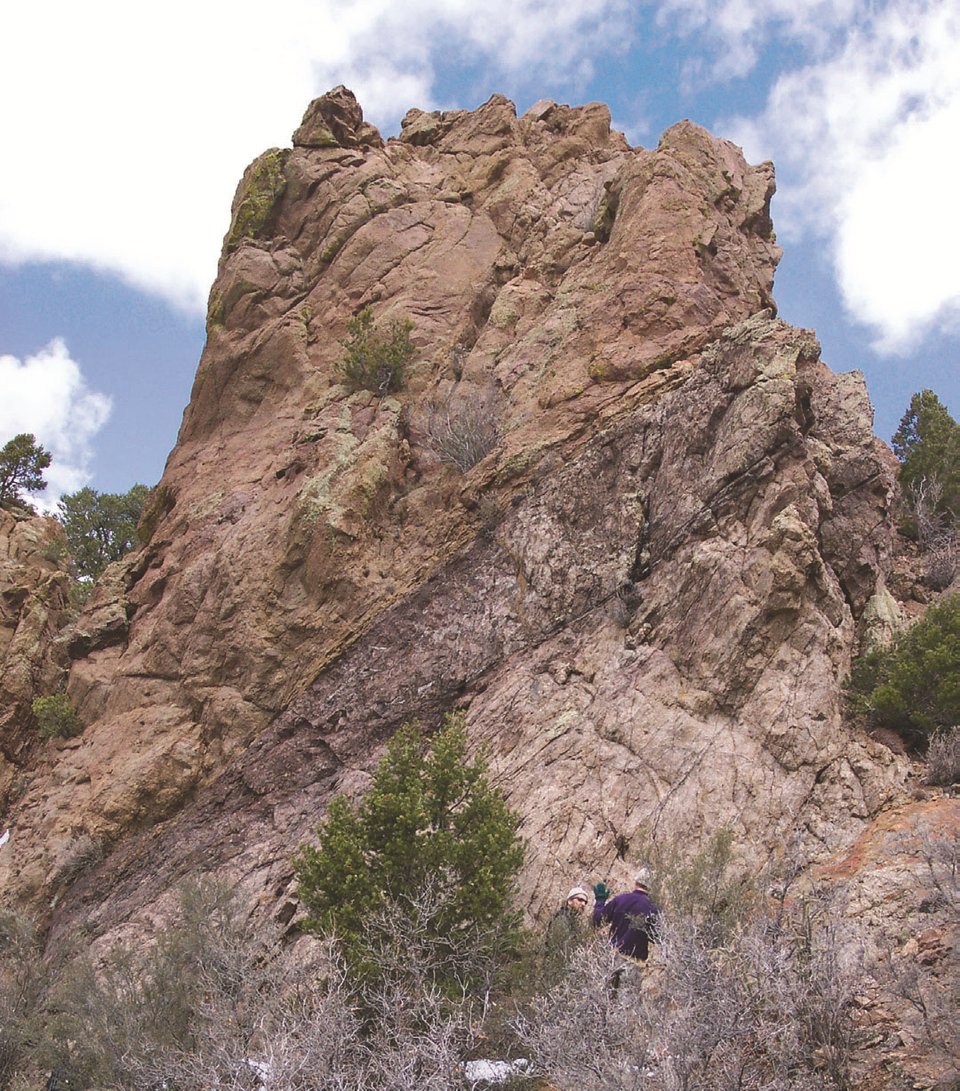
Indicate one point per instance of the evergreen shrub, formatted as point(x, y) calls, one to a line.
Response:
point(913, 685)
point(431, 830)
point(376, 359)
point(56, 717)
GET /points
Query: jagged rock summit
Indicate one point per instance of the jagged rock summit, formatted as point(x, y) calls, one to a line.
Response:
point(646, 594)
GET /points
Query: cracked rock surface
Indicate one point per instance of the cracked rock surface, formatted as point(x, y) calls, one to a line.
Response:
point(646, 594)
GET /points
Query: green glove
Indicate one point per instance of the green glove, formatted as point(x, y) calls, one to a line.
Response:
point(601, 892)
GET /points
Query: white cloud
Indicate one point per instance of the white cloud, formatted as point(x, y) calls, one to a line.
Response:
point(865, 142)
point(46, 394)
point(898, 236)
point(743, 28)
point(128, 126)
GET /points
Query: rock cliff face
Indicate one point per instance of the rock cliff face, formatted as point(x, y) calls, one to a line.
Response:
point(33, 608)
point(646, 594)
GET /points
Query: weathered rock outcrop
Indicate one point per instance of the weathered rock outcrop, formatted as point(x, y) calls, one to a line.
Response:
point(33, 607)
point(646, 595)
point(897, 885)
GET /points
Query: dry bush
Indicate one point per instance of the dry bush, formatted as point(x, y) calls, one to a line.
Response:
point(743, 991)
point(81, 853)
point(461, 431)
point(116, 1025)
point(761, 1003)
point(214, 1004)
point(623, 605)
point(924, 972)
point(23, 979)
point(941, 560)
point(935, 527)
point(943, 758)
point(940, 859)
point(427, 1006)
point(583, 1033)
point(768, 1010)
point(934, 1003)
point(290, 1029)
point(707, 886)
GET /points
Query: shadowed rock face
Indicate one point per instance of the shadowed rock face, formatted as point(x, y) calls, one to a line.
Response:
point(646, 594)
point(33, 606)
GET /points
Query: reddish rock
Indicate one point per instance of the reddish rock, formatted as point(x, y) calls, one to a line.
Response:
point(647, 594)
point(33, 607)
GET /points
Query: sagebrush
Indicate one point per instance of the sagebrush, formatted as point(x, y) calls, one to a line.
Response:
point(745, 992)
point(214, 1002)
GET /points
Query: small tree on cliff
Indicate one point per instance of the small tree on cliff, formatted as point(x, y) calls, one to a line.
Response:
point(375, 358)
point(914, 684)
point(22, 462)
point(927, 443)
point(431, 829)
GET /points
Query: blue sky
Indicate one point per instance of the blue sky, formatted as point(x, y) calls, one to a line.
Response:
point(126, 128)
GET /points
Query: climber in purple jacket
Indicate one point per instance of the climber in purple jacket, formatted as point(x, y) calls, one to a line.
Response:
point(632, 917)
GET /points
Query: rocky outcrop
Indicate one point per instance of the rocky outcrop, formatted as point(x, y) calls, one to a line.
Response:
point(895, 889)
point(646, 595)
point(33, 607)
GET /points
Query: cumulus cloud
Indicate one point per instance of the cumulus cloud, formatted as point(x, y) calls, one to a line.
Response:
point(47, 395)
point(742, 29)
point(865, 142)
point(133, 123)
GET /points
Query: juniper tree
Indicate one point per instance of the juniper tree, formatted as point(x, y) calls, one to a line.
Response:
point(376, 358)
point(101, 526)
point(431, 828)
point(914, 684)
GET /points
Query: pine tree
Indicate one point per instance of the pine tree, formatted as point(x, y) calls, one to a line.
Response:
point(101, 526)
point(927, 443)
point(431, 827)
point(22, 462)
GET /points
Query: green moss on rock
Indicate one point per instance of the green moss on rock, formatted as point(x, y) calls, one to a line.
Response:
point(215, 311)
point(316, 135)
point(260, 189)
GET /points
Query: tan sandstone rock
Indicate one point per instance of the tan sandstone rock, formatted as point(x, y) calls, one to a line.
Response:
point(647, 594)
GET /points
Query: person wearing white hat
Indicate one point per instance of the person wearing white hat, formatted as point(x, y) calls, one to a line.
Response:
point(566, 929)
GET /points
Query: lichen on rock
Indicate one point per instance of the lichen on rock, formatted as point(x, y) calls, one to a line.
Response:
point(262, 185)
